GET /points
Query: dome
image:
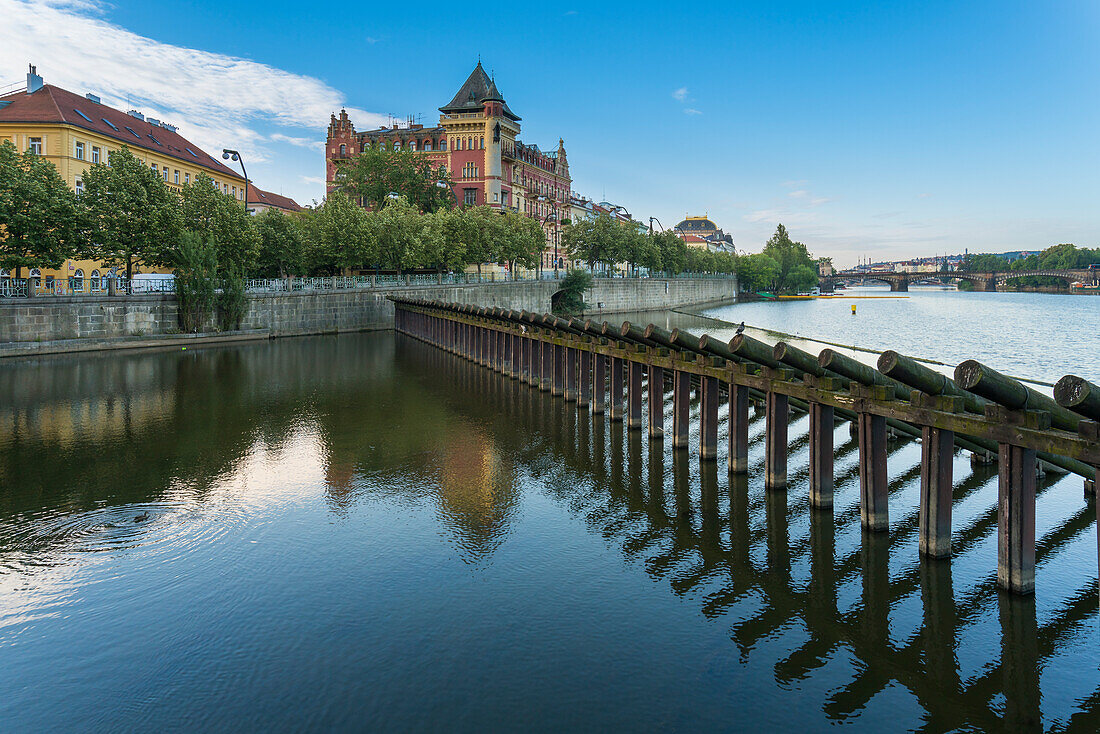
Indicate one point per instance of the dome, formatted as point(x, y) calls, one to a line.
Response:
point(697, 224)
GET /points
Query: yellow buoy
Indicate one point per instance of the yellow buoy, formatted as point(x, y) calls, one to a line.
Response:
point(853, 309)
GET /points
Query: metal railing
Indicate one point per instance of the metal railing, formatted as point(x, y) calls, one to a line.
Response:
point(38, 287)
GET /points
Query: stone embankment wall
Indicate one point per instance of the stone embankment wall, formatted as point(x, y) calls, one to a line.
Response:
point(308, 312)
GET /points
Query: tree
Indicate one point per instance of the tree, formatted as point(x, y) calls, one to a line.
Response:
point(282, 244)
point(483, 226)
point(521, 240)
point(376, 172)
point(131, 214)
point(401, 235)
point(672, 251)
point(596, 240)
point(756, 272)
point(40, 221)
point(573, 286)
point(338, 236)
point(222, 220)
point(789, 256)
point(196, 278)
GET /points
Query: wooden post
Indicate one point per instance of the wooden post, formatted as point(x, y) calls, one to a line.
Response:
point(584, 395)
point(1016, 518)
point(558, 369)
point(524, 359)
point(821, 455)
point(616, 389)
point(599, 383)
point(570, 374)
point(775, 449)
point(547, 366)
point(681, 408)
point(634, 394)
point(873, 510)
point(739, 429)
point(708, 421)
point(937, 457)
point(656, 403)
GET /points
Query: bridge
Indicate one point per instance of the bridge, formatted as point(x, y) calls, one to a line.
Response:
point(590, 364)
point(899, 282)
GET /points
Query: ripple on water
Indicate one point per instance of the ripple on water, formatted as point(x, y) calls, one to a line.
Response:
point(57, 537)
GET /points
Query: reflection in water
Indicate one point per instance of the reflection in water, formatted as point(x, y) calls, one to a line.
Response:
point(377, 428)
point(732, 550)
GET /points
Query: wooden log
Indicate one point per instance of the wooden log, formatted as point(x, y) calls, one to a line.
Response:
point(798, 359)
point(708, 422)
point(634, 395)
point(845, 366)
point(656, 402)
point(681, 408)
point(746, 347)
point(873, 488)
point(675, 339)
point(738, 462)
point(635, 334)
point(910, 372)
point(599, 383)
point(616, 389)
point(1016, 519)
point(821, 455)
point(775, 441)
point(937, 460)
point(717, 348)
point(1079, 395)
point(1004, 390)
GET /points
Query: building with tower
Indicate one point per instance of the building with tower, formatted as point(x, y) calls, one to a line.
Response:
point(477, 140)
point(701, 232)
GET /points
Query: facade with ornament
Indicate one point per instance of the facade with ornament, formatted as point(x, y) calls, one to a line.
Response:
point(477, 140)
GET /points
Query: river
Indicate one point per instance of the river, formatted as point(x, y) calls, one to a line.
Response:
point(360, 532)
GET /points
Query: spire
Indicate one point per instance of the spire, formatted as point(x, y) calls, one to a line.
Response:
point(478, 89)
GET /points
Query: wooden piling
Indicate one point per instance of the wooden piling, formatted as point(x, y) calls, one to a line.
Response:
point(681, 408)
point(634, 395)
point(584, 394)
point(656, 403)
point(547, 376)
point(599, 384)
point(708, 422)
point(873, 510)
point(777, 411)
point(1016, 519)
point(821, 455)
point(738, 429)
point(616, 413)
point(570, 374)
point(558, 370)
point(937, 458)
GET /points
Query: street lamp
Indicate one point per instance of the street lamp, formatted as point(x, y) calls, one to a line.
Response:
point(228, 154)
point(393, 196)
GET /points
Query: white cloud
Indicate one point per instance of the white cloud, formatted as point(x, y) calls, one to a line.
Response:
point(314, 180)
point(371, 40)
point(692, 111)
point(681, 94)
point(300, 142)
point(923, 196)
point(216, 100)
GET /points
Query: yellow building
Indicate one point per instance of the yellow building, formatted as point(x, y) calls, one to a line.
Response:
point(74, 132)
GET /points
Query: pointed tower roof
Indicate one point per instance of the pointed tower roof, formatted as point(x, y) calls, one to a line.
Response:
point(478, 89)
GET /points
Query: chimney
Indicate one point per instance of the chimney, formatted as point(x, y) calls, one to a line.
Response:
point(34, 82)
point(93, 98)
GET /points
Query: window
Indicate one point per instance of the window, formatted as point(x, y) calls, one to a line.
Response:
point(234, 189)
point(154, 167)
point(225, 188)
point(469, 197)
point(34, 145)
point(82, 114)
point(109, 124)
point(412, 145)
point(443, 145)
point(166, 174)
point(177, 176)
point(132, 131)
point(80, 151)
point(79, 187)
point(483, 143)
point(343, 149)
point(154, 140)
point(427, 145)
point(187, 178)
point(397, 145)
point(193, 153)
point(95, 154)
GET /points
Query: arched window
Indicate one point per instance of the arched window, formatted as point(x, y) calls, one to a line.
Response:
point(427, 145)
point(483, 143)
point(397, 145)
point(412, 145)
point(343, 149)
point(35, 273)
point(4, 273)
point(443, 145)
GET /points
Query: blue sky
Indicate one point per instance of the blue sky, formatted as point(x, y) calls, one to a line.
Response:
point(890, 129)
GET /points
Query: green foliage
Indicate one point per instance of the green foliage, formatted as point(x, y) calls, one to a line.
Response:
point(791, 257)
point(597, 241)
point(521, 241)
point(984, 263)
point(196, 276)
point(282, 244)
point(402, 237)
point(374, 174)
point(756, 272)
point(40, 222)
point(338, 236)
point(232, 297)
point(130, 212)
point(222, 220)
point(571, 292)
point(671, 251)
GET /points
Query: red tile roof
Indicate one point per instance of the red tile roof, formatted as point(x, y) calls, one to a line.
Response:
point(52, 104)
point(257, 195)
